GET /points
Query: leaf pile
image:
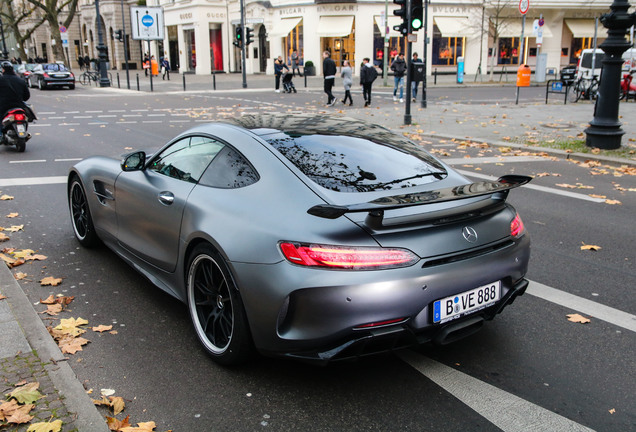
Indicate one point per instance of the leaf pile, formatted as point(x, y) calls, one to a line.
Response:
point(117, 405)
point(21, 402)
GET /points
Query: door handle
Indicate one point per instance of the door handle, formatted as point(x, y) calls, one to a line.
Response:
point(166, 197)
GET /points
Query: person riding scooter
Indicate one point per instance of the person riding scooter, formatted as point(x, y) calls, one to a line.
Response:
point(13, 90)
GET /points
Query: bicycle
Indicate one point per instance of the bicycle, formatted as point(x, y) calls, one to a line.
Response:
point(584, 88)
point(88, 76)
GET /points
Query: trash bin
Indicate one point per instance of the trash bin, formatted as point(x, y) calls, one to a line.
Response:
point(154, 67)
point(523, 76)
point(460, 70)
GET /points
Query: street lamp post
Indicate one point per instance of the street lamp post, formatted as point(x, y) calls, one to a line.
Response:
point(605, 129)
point(5, 53)
point(101, 48)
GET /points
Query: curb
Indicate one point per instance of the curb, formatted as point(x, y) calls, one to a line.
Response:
point(64, 379)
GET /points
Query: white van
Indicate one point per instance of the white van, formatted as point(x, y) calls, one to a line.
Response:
point(584, 66)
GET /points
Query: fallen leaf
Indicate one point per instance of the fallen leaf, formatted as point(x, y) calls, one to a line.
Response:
point(6, 197)
point(23, 253)
point(21, 415)
point(15, 228)
point(49, 300)
point(36, 257)
point(141, 427)
point(117, 425)
point(70, 326)
point(50, 280)
point(71, 345)
point(102, 328)
point(612, 411)
point(4, 237)
point(13, 215)
point(590, 247)
point(117, 404)
point(20, 276)
point(2, 297)
point(54, 426)
point(578, 318)
point(53, 309)
point(26, 394)
point(613, 202)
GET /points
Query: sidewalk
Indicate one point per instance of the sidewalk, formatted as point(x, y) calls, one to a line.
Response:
point(28, 354)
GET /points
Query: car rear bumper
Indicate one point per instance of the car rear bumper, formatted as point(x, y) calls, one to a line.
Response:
point(321, 315)
point(59, 82)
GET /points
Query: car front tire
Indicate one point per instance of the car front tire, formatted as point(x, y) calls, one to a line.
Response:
point(81, 215)
point(216, 309)
point(41, 85)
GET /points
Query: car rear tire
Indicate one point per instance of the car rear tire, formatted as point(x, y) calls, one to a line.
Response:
point(72, 87)
point(81, 214)
point(216, 308)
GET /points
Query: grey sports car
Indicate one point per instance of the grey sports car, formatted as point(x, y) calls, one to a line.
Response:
point(314, 237)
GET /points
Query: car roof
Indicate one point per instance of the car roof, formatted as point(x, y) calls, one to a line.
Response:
point(268, 124)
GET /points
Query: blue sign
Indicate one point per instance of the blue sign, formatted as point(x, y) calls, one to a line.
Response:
point(557, 86)
point(147, 20)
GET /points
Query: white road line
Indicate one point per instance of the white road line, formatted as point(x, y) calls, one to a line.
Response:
point(126, 122)
point(585, 306)
point(488, 160)
point(47, 112)
point(156, 115)
point(179, 121)
point(93, 112)
point(69, 124)
point(82, 117)
point(28, 161)
point(56, 118)
point(139, 110)
point(508, 412)
point(538, 188)
point(67, 160)
point(116, 110)
point(132, 115)
point(152, 121)
point(70, 112)
point(29, 181)
point(97, 123)
point(106, 116)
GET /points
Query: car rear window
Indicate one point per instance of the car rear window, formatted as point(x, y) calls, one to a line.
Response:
point(355, 164)
point(586, 61)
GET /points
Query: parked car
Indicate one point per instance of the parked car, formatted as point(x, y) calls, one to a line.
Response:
point(24, 70)
point(312, 237)
point(47, 75)
point(568, 74)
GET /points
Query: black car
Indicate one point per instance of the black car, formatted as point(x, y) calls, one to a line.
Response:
point(47, 75)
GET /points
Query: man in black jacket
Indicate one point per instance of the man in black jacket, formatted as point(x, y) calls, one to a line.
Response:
point(13, 90)
point(368, 74)
point(329, 71)
point(399, 70)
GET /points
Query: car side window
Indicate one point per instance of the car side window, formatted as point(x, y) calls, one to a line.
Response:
point(187, 158)
point(229, 170)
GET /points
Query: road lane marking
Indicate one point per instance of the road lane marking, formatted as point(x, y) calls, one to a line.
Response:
point(67, 160)
point(28, 161)
point(70, 112)
point(93, 112)
point(40, 125)
point(508, 412)
point(580, 304)
point(56, 118)
point(537, 187)
point(106, 116)
point(30, 181)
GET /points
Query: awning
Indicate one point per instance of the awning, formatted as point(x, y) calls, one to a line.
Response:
point(393, 21)
point(512, 28)
point(453, 26)
point(285, 26)
point(582, 28)
point(335, 26)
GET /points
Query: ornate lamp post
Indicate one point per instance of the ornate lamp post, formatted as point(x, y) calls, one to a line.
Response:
point(605, 130)
point(5, 53)
point(101, 48)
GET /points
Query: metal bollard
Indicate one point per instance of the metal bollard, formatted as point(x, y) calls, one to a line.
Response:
point(118, 84)
point(214, 81)
point(137, 82)
point(184, 84)
point(305, 75)
point(435, 76)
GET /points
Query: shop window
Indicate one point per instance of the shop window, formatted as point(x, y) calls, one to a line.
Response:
point(508, 53)
point(578, 45)
point(294, 42)
point(446, 50)
point(396, 46)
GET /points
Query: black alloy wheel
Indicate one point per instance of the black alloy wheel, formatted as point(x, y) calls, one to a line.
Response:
point(81, 214)
point(216, 308)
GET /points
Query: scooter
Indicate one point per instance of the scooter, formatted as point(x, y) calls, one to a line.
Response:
point(628, 87)
point(14, 127)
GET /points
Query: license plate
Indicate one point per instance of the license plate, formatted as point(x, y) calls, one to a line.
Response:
point(452, 307)
point(21, 128)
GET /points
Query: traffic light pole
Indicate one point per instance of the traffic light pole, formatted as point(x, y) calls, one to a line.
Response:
point(123, 17)
point(409, 72)
point(243, 43)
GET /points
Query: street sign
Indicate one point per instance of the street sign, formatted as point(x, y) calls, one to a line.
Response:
point(147, 23)
point(62, 29)
point(524, 5)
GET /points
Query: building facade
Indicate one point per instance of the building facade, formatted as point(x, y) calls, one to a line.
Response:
point(483, 34)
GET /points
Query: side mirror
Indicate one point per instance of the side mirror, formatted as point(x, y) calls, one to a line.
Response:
point(134, 161)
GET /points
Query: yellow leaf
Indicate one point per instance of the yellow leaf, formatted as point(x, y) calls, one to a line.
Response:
point(117, 404)
point(15, 228)
point(70, 326)
point(54, 426)
point(20, 276)
point(141, 427)
point(35, 257)
point(53, 309)
point(590, 247)
point(612, 411)
point(48, 301)
point(72, 345)
point(102, 328)
point(50, 280)
point(578, 318)
point(4, 237)
point(613, 202)
point(23, 253)
point(13, 215)
point(6, 197)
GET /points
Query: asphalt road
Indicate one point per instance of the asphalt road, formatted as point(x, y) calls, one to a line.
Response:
point(529, 369)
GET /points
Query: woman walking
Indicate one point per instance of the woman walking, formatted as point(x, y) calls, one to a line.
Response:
point(347, 79)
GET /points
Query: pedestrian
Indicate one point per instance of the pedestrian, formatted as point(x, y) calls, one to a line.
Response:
point(295, 60)
point(415, 77)
point(13, 90)
point(347, 79)
point(329, 72)
point(80, 61)
point(399, 68)
point(368, 74)
point(146, 64)
point(165, 64)
point(279, 65)
point(87, 62)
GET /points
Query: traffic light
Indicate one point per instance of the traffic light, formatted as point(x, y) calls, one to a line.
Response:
point(417, 15)
point(402, 12)
point(238, 36)
point(119, 35)
point(249, 35)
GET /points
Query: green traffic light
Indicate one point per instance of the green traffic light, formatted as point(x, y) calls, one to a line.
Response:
point(416, 24)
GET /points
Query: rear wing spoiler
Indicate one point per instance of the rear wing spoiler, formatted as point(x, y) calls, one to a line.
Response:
point(501, 185)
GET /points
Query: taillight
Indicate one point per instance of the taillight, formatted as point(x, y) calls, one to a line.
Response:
point(346, 257)
point(45, 75)
point(516, 227)
point(19, 117)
